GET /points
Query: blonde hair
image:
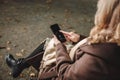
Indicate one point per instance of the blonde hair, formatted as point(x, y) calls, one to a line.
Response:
point(107, 22)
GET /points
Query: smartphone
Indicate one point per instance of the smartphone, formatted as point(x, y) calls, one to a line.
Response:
point(56, 31)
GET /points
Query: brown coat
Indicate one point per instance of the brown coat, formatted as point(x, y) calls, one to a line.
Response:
point(91, 62)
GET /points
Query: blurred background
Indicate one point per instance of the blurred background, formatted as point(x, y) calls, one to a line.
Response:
point(25, 23)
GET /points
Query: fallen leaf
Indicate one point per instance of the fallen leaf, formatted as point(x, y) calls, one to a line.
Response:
point(21, 75)
point(19, 54)
point(8, 42)
point(22, 51)
point(8, 48)
point(10, 73)
point(32, 74)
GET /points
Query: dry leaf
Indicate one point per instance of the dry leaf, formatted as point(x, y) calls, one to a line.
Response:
point(21, 75)
point(22, 50)
point(32, 74)
point(10, 73)
point(19, 54)
point(8, 48)
point(8, 42)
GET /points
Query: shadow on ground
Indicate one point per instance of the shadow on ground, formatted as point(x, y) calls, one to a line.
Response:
point(25, 23)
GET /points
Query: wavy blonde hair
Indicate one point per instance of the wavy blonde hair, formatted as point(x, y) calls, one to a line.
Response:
point(107, 22)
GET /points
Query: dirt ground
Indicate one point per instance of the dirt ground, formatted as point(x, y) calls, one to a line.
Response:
point(25, 23)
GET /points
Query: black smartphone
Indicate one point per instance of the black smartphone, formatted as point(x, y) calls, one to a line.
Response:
point(56, 31)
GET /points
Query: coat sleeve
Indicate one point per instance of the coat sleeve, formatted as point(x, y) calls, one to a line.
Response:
point(82, 69)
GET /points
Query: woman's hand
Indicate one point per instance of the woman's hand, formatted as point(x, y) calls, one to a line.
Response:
point(71, 36)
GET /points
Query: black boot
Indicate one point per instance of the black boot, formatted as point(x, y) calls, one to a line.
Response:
point(17, 66)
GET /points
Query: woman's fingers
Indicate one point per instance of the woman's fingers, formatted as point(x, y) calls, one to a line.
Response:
point(64, 32)
point(71, 36)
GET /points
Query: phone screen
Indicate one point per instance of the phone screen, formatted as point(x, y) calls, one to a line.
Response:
point(55, 29)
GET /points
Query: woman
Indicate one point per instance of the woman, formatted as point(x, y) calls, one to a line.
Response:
point(95, 57)
point(98, 58)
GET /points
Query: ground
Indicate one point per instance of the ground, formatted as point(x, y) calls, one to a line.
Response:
point(25, 23)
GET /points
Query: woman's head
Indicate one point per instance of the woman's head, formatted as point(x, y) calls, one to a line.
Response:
point(107, 22)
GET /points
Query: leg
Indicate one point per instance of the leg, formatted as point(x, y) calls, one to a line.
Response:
point(19, 65)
